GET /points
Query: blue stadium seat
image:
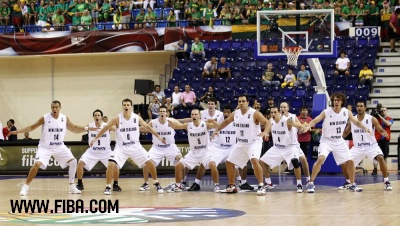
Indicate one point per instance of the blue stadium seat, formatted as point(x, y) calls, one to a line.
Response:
point(276, 91)
point(135, 12)
point(340, 80)
point(159, 13)
point(168, 92)
point(363, 90)
point(252, 91)
point(160, 3)
point(308, 101)
point(207, 82)
point(247, 72)
point(183, 23)
point(244, 82)
point(337, 89)
point(220, 82)
point(214, 45)
point(177, 73)
point(231, 82)
point(183, 82)
point(239, 91)
point(243, 53)
point(288, 92)
point(329, 79)
point(300, 91)
point(201, 91)
point(350, 100)
point(236, 72)
point(223, 101)
point(262, 63)
point(251, 62)
point(225, 44)
point(375, 40)
point(217, 92)
point(166, 12)
point(255, 81)
point(350, 90)
point(189, 73)
point(182, 63)
point(172, 83)
point(196, 83)
point(220, 53)
point(234, 102)
point(248, 43)
point(162, 23)
point(258, 71)
point(352, 79)
point(232, 53)
point(236, 43)
point(227, 92)
point(263, 92)
point(180, 134)
point(193, 63)
point(297, 102)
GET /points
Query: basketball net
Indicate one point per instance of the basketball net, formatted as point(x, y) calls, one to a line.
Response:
point(292, 53)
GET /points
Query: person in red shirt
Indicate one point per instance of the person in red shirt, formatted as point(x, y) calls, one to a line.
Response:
point(386, 122)
point(304, 138)
point(394, 29)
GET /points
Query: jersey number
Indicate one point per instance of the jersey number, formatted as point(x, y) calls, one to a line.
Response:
point(128, 137)
point(279, 139)
point(198, 141)
point(227, 139)
point(241, 133)
point(362, 137)
point(55, 136)
point(98, 142)
point(338, 130)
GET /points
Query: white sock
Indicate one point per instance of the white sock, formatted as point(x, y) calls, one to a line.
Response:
point(298, 181)
point(385, 179)
point(216, 184)
point(197, 181)
point(243, 182)
point(108, 185)
point(348, 181)
point(155, 181)
point(261, 184)
point(72, 171)
point(308, 179)
point(184, 178)
point(268, 180)
point(238, 178)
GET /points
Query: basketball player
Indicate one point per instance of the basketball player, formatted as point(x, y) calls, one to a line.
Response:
point(335, 120)
point(159, 150)
point(100, 151)
point(127, 144)
point(284, 108)
point(210, 113)
point(285, 147)
point(366, 145)
point(246, 122)
point(54, 127)
point(199, 139)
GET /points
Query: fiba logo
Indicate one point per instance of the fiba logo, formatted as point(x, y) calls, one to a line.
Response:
point(3, 157)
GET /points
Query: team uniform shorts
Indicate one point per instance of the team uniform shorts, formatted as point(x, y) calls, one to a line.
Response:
point(241, 154)
point(136, 152)
point(341, 153)
point(360, 153)
point(158, 153)
point(61, 154)
point(91, 158)
point(191, 160)
point(220, 155)
point(274, 156)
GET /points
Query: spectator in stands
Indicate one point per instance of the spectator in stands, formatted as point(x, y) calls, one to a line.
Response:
point(270, 103)
point(5, 13)
point(210, 69)
point(342, 65)
point(32, 13)
point(105, 119)
point(243, 14)
point(224, 69)
point(347, 11)
point(178, 8)
point(176, 97)
point(289, 79)
point(225, 16)
point(195, 18)
point(43, 15)
point(153, 108)
point(150, 18)
point(140, 19)
point(147, 2)
point(386, 122)
point(236, 16)
point(209, 14)
point(197, 49)
point(117, 20)
point(251, 14)
point(94, 11)
point(386, 12)
point(366, 76)
point(181, 48)
point(26, 136)
point(188, 99)
point(125, 13)
point(11, 127)
point(58, 19)
point(24, 11)
point(168, 105)
point(204, 99)
point(16, 15)
point(303, 76)
point(393, 29)
point(158, 93)
point(372, 18)
point(106, 10)
point(171, 19)
point(2, 138)
point(268, 75)
point(86, 20)
point(304, 138)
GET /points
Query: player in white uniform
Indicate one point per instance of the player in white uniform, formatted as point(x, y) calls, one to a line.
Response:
point(246, 122)
point(54, 127)
point(366, 145)
point(128, 144)
point(199, 139)
point(210, 113)
point(100, 151)
point(159, 150)
point(335, 120)
point(284, 148)
point(284, 108)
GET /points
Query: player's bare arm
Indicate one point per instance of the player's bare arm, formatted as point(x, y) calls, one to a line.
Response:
point(295, 124)
point(28, 128)
point(110, 124)
point(175, 124)
point(75, 128)
point(379, 127)
point(150, 129)
point(315, 121)
point(264, 121)
point(347, 130)
point(359, 124)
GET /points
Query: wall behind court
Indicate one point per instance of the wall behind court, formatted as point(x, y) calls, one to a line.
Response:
point(82, 82)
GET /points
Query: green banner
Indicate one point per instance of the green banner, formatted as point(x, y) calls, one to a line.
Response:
point(18, 159)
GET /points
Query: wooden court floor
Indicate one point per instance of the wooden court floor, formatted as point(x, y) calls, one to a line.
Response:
point(328, 206)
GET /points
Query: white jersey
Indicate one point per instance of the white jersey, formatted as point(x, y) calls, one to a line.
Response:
point(165, 131)
point(280, 133)
point(198, 137)
point(293, 130)
point(226, 138)
point(218, 117)
point(245, 127)
point(334, 125)
point(128, 130)
point(103, 143)
point(361, 138)
point(53, 131)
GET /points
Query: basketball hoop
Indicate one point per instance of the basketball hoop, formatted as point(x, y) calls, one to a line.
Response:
point(292, 53)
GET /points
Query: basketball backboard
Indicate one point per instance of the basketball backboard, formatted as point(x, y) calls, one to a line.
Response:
point(313, 30)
